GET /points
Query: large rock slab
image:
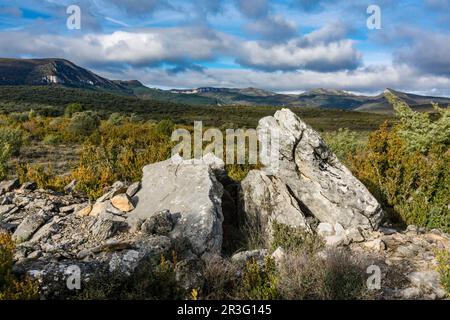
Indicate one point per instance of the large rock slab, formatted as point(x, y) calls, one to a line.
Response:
point(190, 191)
point(267, 200)
point(316, 178)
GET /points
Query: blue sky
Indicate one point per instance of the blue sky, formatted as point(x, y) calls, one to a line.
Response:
point(284, 46)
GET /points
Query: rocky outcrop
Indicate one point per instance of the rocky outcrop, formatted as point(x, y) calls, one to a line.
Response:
point(192, 193)
point(310, 177)
point(267, 199)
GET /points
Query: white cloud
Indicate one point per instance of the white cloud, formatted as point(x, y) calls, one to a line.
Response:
point(293, 55)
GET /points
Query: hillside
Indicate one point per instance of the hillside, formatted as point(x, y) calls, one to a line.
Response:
point(60, 72)
point(52, 72)
point(53, 100)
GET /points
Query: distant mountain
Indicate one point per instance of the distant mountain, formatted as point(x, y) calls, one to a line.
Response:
point(60, 72)
point(52, 72)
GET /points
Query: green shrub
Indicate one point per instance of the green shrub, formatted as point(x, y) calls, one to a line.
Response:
point(73, 108)
point(147, 282)
point(118, 153)
point(417, 129)
point(345, 143)
point(15, 138)
point(18, 117)
point(165, 127)
point(443, 259)
point(406, 168)
point(116, 119)
point(337, 276)
point(51, 139)
point(12, 288)
point(260, 282)
point(291, 238)
point(84, 123)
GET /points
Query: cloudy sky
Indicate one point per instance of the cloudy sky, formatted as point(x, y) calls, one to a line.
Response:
point(284, 45)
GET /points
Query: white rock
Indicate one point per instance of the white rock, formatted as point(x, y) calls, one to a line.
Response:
point(189, 190)
point(325, 229)
point(315, 176)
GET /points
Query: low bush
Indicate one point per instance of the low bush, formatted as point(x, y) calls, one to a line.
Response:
point(84, 123)
point(406, 168)
point(443, 259)
point(338, 275)
point(345, 143)
point(292, 239)
point(12, 288)
point(147, 282)
point(73, 108)
point(260, 282)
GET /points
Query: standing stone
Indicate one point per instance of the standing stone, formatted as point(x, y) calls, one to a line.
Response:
point(190, 190)
point(267, 200)
point(316, 178)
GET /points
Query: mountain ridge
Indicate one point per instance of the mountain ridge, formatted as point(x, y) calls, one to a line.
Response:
point(62, 72)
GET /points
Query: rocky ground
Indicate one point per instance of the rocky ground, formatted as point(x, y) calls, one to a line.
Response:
point(193, 209)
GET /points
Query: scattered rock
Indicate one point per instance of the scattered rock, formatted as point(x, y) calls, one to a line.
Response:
point(28, 186)
point(85, 211)
point(325, 229)
point(375, 245)
point(133, 189)
point(8, 185)
point(279, 255)
point(98, 208)
point(246, 256)
point(105, 226)
point(122, 202)
point(428, 280)
point(28, 227)
point(71, 186)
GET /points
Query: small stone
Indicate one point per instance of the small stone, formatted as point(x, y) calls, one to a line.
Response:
point(28, 186)
point(279, 255)
point(339, 229)
point(325, 229)
point(8, 185)
point(98, 209)
point(35, 255)
point(412, 229)
point(85, 211)
point(429, 280)
point(105, 227)
point(410, 293)
point(28, 227)
point(133, 189)
point(375, 245)
point(68, 209)
point(246, 256)
point(6, 200)
point(122, 202)
point(71, 186)
point(387, 231)
point(6, 208)
point(336, 241)
point(161, 223)
point(355, 235)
